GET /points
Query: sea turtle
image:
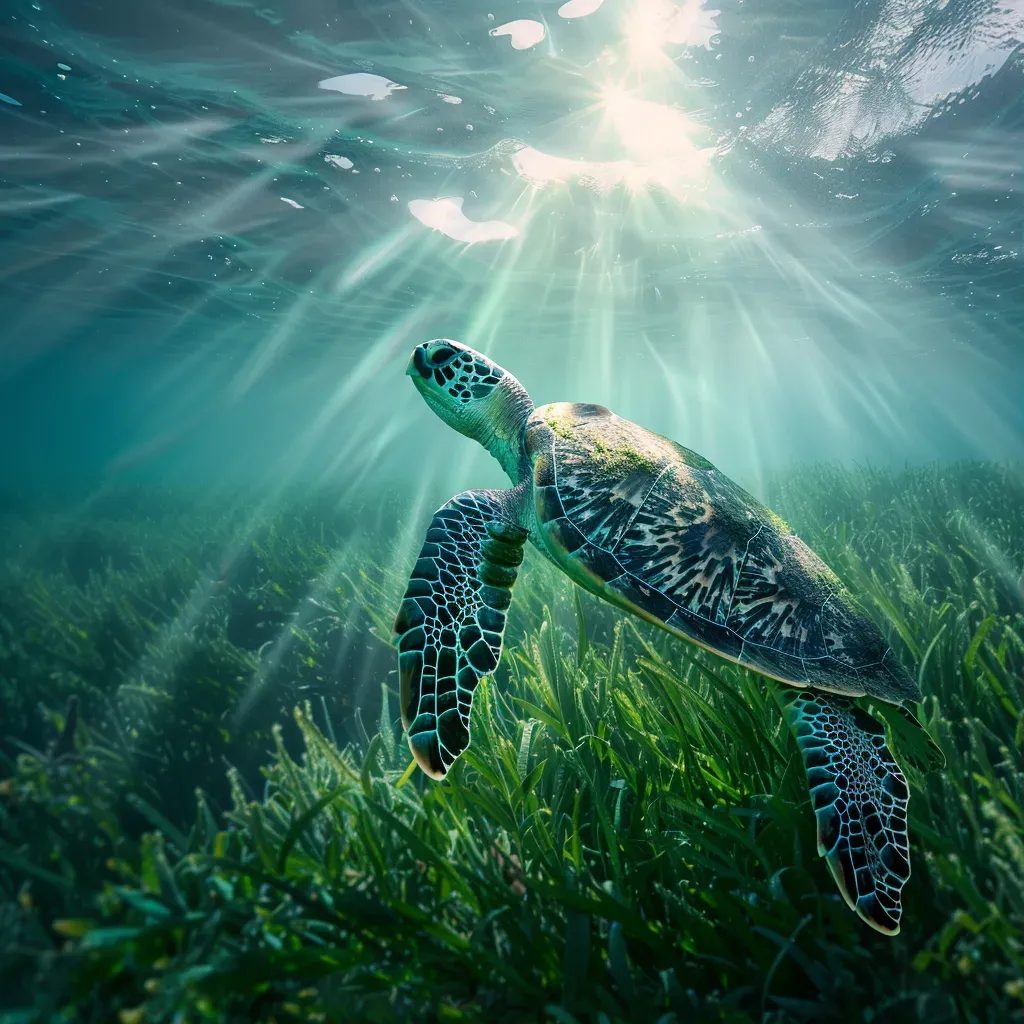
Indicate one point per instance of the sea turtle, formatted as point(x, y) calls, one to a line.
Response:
point(657, 530)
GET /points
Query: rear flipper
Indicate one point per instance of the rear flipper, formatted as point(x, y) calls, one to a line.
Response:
point(860, 799)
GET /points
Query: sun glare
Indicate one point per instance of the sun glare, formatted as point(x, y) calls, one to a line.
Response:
point(645, 26)
point(661, 141)
point(650, 25)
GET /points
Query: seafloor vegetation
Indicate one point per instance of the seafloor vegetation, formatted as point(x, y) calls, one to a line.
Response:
point(207, 814)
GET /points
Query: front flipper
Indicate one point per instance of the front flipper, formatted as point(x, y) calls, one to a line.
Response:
point(451, 621)
point(860, 799)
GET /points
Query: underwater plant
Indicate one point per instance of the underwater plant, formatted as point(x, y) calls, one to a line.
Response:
point(627, 839)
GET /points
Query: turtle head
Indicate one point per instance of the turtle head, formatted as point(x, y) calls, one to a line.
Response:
point(475, 396)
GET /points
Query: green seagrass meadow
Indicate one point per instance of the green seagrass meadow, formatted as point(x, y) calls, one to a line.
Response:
point(208, 811)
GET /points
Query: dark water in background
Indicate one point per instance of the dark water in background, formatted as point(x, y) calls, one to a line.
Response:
point(777, 232)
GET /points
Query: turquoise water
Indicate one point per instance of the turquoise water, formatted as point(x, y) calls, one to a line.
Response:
point(783, 234)
point(777, 235)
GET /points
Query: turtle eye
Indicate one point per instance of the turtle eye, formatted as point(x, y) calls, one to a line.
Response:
point(440, 355)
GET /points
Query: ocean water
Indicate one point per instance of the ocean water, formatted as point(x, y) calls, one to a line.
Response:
point(789, 236)
point(778, 236)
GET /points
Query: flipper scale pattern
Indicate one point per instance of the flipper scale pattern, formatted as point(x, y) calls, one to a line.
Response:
point(860, 801)
point(450, 625)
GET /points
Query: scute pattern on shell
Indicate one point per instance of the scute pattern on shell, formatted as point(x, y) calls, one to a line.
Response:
point(647, 523)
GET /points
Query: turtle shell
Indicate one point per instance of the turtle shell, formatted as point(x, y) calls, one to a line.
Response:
point(656, 529)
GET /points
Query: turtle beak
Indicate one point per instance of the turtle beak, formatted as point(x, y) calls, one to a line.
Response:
point(418, 363)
